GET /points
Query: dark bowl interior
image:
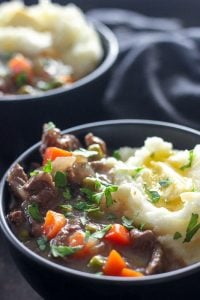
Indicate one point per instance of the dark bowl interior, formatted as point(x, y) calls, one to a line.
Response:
point(40, 273)
point(22, 116)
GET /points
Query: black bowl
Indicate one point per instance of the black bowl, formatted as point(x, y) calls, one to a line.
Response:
point(22, 116)
point(52, 280)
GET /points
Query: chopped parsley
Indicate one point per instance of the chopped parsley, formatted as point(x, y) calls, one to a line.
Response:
point(177, 235)
point(116, 154)
point(85, 153)
point(192, 228)
point(47, 168)
point(67, 194)
point(34, 173)
point(84, 206)
point(21, 79)
point(190, 161)
point(128, 223)
point(60, 179)
point(33, 211)
point(49, 126)
point(164, 183)
point(154, 196)
point(62, 251)
point(42, 243)
point(100, 234)
point(136, 172)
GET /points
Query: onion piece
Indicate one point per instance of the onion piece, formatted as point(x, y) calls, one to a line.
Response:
point(62, 163)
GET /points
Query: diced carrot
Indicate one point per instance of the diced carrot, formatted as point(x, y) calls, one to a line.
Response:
point(51, 153)
point(19, 64)
point(53, 223)
point(118, 234)
point(78, 239)
point(114, 264)
point(126, 272)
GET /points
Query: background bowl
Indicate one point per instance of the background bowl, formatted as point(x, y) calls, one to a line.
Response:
point(22, 116)
point(52, 280)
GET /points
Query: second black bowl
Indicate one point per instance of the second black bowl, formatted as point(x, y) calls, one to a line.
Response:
point(22, 116)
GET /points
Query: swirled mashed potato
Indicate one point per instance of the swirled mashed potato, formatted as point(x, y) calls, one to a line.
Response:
point(61, 31)
point(159, 187)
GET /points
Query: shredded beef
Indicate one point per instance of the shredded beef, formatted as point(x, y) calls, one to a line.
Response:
point(90, 139)
point(16, 180)
point(16, 217)
point(41, 189)
point(54, 138)
point(146, 242)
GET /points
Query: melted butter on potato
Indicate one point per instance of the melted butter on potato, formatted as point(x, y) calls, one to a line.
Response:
point(160, 187)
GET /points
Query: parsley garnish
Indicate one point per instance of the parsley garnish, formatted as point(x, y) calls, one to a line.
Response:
point(33, 211)
point(66, 209)
point(67, 194)
point(189, 164)
point(128, 223)
point(42, 243)
point(34, 173)
point(165, 182)
point(154, 196)
point(21, 79)
point(49, 126)
point(60, 179)
point(192, 228)
point(62, 251)
point(85, 153)
point(108, 190)
point(116, 154)
point(100, 234)
point(137, 171)
point(177, 235)
point(47, 168)
point(84, 206)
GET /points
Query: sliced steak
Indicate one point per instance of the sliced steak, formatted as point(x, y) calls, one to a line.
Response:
point(147, 243)
point(16, 180)
point(41, 189)
point(91, 139)
point(54, 138)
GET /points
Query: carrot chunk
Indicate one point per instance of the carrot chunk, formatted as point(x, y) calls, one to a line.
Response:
point(52, 153)
point(114, 264)
point(78, 239)
point(118, 234)
point(19, 64)
point(126, 272)
point(53, 223)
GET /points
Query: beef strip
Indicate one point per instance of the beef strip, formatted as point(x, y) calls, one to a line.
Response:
point(54, 138)
point(16, 180)
point(41, 189)
point(91, 139)
point(146, 242)
point(65, 232)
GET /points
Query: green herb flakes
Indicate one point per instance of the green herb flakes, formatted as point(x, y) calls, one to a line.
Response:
point(154, 196)
point(128, 223)
point(177, 235)
point(34, 173)
point(100, 234)
point(67, 194)
point(108, 190)
point(62, 251)
point(164, 183)
point(190, 161)
point(60, 179)
point(33, 211)
point(192, 228)
point(47, 168)
point(49, 126)
point(42, 243)
point(116, 154)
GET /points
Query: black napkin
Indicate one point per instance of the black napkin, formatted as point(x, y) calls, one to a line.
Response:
point(157, 75)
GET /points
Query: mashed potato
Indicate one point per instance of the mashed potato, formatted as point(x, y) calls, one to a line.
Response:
point(61, 30)
point(159, 187)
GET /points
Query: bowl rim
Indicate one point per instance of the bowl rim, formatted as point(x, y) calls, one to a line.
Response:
point(109, 58)
point(149, 279)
